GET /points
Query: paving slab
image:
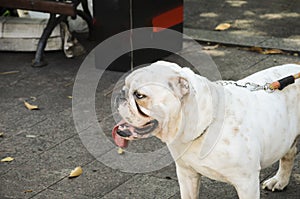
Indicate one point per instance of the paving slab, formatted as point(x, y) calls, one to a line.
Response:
point(144, 186)
point(271, 24)
point(43, 170)
point(53, 194)
point(238, 39)
point(275, 18)
point(42, 163)
point(96, 181)
point(29, 142)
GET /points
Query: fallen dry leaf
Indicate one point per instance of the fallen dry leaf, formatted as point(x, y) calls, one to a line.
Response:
point(265, 51)
point(1, 134)
point(120, 151)
point(255, 49)
point(272, 51)
point(30, 106)
point(9, 72)
point(211, 47)
point(223, 26)
point(69, 84)
point(28, 191)
point(75, 172)
point(31, 136)
point(7, 159)
point(70, 97)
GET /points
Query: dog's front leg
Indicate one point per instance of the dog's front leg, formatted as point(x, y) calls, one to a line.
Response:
point(189, 182)
point(247, 186)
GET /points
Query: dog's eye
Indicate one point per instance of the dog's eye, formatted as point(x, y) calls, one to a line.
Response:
point(138, 95)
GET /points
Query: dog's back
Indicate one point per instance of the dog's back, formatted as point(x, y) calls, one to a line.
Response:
point(272, 74)
point(274, 118)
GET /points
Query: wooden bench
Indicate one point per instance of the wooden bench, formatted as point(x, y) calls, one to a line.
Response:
point(58, 10)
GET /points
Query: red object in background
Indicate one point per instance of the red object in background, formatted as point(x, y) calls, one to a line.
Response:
point(168, 19)
point(113, 17)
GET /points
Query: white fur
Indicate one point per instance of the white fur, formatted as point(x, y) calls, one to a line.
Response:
point(240, 131)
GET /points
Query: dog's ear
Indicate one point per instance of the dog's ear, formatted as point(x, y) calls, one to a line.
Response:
point(180, 86)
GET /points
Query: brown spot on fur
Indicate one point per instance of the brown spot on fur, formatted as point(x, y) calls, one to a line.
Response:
point(158, 135)
point(236, 130)
point(176, 129)
point(143, 103)
point(226, 141)
point(247, 175)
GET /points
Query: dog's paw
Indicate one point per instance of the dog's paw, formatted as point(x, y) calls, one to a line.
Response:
point(275, 183)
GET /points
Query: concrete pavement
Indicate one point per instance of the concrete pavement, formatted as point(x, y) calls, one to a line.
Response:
point(45, 144)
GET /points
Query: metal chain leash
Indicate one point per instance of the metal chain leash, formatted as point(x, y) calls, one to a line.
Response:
point(268, 87)
point(249, 85)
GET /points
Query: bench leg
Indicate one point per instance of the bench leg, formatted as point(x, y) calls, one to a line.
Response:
point(88, 20)
point(85, 8)
point(52, 23)
point(39, 55)
point(85, 14)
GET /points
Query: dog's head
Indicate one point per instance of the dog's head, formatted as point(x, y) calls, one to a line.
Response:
point(151, 102)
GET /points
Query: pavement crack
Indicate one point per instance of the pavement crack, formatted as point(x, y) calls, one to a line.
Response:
point(174, 195)
point(38, 122)
point(261, 60)
point(55, 145)
point(130, 178)
point(54, 183)
point(23, 163)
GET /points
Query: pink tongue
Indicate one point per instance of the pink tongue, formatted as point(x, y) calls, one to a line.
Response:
point(121, 142)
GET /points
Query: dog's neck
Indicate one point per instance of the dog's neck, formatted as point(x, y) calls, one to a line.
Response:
point(201, 124)
point(204, 96)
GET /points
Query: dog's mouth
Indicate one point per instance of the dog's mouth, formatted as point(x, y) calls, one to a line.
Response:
point(123, 132)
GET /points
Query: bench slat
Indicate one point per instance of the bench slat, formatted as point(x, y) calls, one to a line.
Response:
point(41, 6)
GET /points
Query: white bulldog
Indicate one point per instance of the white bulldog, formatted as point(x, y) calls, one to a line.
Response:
point(227, 133)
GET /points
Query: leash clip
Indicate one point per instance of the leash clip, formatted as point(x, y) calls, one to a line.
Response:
point(254, 87)
point(268, 88)
point(257, 87)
